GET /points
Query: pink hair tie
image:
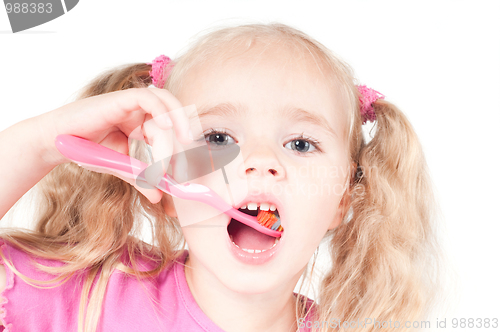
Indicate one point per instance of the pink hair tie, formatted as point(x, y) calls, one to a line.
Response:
point(160, 70)
point(367, 98)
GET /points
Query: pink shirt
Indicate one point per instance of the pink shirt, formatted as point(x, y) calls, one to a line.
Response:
point(127, 305)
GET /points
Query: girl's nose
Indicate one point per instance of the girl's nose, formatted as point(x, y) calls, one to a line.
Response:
point(263, 163)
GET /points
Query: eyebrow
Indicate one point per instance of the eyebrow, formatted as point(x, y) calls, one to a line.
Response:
point(290, 113)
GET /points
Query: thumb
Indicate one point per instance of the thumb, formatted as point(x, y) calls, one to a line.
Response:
point(152, 194)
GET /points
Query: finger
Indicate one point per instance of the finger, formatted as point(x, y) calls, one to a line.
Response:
point(177, 114)
point(117, 141)
point(177, 162)
point(134, 99)
point(162, 148)
point(161, 142)
point(152, 194)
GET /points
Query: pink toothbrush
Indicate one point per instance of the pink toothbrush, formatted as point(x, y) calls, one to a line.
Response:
point(98, 158)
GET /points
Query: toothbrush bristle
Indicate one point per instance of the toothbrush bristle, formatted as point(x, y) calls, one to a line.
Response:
point(268, 219)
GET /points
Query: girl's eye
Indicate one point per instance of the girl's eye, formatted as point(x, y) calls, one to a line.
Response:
point(218, 138)
point(303, 145)
point(300, 145)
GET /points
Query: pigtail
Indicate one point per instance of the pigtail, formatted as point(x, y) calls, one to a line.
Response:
point(381, 251)
point(81, 209)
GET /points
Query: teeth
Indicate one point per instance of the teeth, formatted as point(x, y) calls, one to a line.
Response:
point(252, 206)
point(256, 251)
point(264, 206)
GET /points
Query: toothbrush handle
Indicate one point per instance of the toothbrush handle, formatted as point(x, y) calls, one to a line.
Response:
point(83, 151)
point(98, 158)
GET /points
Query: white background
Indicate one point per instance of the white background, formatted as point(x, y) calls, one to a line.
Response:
point(438, 61)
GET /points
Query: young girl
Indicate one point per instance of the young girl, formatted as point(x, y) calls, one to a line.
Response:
point(296, 113)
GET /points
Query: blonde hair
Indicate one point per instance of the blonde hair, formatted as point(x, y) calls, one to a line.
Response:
point(383, 253)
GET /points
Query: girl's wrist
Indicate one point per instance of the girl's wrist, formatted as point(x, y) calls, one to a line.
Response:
point(43, 141)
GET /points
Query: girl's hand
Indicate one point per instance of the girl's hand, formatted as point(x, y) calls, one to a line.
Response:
point(109, 119)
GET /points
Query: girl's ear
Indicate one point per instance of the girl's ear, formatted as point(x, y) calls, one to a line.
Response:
point(345, 202)
point(168, 205)
point(341, 211)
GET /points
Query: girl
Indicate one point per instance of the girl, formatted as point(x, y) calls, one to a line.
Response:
point(296, 113)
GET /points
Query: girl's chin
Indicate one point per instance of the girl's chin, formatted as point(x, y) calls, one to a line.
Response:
point(249, 284)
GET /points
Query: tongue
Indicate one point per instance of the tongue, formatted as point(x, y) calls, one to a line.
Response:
point(248, 238)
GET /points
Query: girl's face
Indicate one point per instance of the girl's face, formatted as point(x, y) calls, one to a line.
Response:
point(270, 98)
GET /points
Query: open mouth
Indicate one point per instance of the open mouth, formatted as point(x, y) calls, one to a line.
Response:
point(248, 239)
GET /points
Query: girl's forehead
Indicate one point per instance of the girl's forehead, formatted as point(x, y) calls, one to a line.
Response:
point(280, 71)
point(265, 79)
point(268, 56)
